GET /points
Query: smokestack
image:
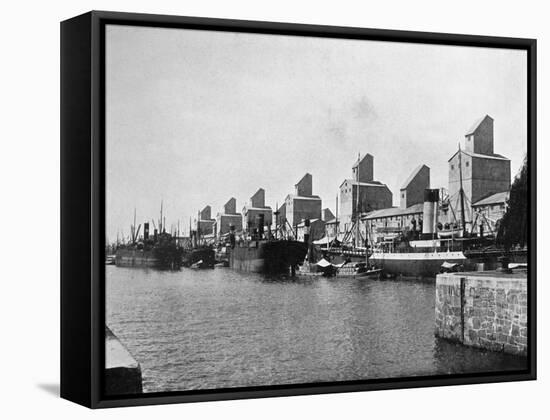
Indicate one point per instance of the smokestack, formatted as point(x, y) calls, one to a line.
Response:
point(232, 236)
point(260, 225)
point(146, 231)
point(306, 230)
point(429, 217)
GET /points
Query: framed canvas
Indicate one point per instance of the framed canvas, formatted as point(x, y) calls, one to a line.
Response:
point(226, 234)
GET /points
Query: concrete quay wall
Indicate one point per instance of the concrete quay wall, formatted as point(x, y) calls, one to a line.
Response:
point(487, 310)
point(122, 372)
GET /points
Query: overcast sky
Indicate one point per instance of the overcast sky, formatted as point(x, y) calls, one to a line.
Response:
point(197, 117)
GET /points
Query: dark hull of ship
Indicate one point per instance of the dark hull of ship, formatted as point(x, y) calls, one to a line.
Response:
point(135, 258)
point(275, 256)
point(152, 258)
point(415, 264)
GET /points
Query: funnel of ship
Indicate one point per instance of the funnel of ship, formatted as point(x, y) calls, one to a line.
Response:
point(429, 213)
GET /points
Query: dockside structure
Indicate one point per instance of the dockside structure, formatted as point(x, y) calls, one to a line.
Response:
point(373, 195)
point(388, 222)
point(484, 173)
point(485, 185)
point(205, 223)
point(228, 218)
point(254, 209)
point(300, 206)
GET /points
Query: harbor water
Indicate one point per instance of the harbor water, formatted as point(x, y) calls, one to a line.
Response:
point(219, 328)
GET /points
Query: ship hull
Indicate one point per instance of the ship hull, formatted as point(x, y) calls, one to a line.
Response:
point(276, 257)
point(135, 258)
point(161, 258)
point(426, 264)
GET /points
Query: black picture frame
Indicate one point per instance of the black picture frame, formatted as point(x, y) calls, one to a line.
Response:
point(83, 203)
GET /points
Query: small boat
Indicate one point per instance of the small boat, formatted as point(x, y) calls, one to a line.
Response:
point(198, 264)
point(448, 267)
point(199, 257)
point(450, 233)
point(345, 269)
point(370, 273)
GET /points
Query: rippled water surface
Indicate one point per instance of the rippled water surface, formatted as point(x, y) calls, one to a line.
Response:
point(223, 328)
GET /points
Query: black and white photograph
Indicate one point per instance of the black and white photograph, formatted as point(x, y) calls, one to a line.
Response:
point(292, 210)
point(285, 210)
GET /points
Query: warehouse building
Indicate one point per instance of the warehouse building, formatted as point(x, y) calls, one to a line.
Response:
point(254, 210)
point(373, 195)
point(483, 172)
point(389, 222)
point(406, 217)
point(301, 205)
point(412, 191)
point(488, 212)
point(316, 230)
point(205, 223)
point(227, 218)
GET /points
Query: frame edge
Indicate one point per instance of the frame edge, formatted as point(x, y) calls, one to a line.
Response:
point(75, 131)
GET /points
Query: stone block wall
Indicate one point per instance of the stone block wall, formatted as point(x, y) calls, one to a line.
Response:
point(487, 311)
point(448, 308)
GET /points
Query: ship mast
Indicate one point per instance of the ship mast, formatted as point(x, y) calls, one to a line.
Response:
point(134, 228)
point(461, 192)
point(277, 212)
point(336, 218)
point(335, 227)
point(357, 242)
point(160, 220)
point(198, 228)
point(367, 244)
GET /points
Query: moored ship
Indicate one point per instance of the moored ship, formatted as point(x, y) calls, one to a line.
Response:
point(423, 257)
point(162, 254)
point(198, 253)
point(159, 251)
point(419, 262)
point(266, 255)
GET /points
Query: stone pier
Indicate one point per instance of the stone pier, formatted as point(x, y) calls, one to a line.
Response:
point(485, 309)
point(122, 372)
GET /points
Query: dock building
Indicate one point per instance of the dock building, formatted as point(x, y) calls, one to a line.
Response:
point(408, 216)
point(484, 173)
point(488, 211)
point(331, 226)
point(373, 195)
point(412, 191)
point(316, 230)
point(281, 217)
point(228, 217)
point(485, 184)
point(327, 215)
point(205, 223)
point(301, 205)
point(389, 222)
point(253, 211)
